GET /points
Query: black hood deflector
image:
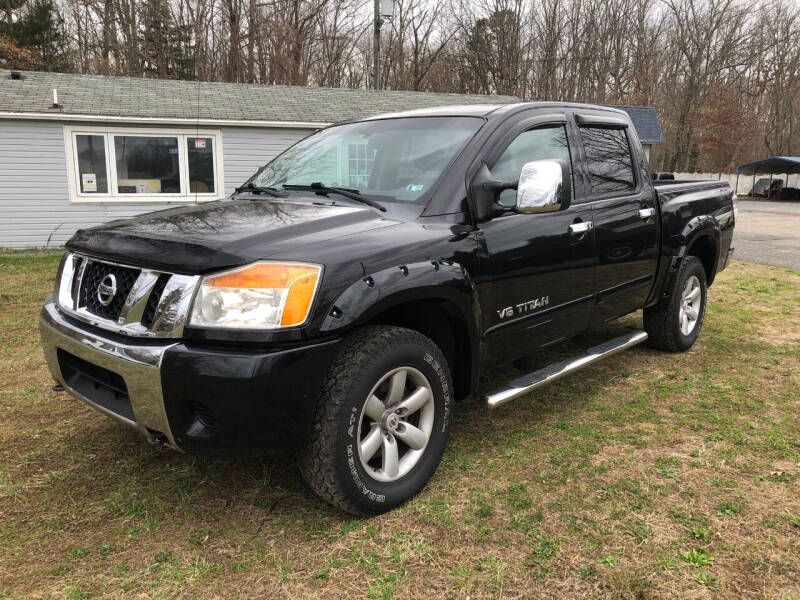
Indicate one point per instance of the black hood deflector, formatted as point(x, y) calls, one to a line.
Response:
point(216, 235)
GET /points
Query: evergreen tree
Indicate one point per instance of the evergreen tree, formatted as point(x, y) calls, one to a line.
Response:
point(167, 46)
point(33, 33)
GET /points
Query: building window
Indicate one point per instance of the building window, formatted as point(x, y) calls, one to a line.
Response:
point(147, 165)
point(91, 153)
point(201, 165)
point(125, 164)
point(359, 164)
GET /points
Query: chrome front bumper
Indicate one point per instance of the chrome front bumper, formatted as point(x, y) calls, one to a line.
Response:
point(139, 365)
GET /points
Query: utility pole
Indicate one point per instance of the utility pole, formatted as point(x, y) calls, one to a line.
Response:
point(383, 12)
point(376, 45)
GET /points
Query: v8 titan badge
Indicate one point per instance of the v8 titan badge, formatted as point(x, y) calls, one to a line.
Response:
point(523, 307)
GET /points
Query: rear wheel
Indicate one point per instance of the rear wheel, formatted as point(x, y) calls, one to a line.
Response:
point(674, 323)
point(382, 421)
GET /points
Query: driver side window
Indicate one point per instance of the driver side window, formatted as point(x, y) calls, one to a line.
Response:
point(542, 143)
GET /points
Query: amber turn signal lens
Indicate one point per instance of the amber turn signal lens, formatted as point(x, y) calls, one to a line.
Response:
point(301, 293)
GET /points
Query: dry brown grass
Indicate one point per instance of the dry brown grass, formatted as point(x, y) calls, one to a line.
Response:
point(599, 486)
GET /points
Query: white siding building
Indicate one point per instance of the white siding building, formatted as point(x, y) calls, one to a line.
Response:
point(115, 147)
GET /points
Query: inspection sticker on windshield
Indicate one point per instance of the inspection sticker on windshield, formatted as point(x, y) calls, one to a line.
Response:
point(414, 187)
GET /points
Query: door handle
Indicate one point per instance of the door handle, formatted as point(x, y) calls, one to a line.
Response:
point(580, 228)
point(646, 213)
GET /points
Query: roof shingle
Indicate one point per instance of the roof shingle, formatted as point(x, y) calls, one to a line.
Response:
point(645, 120)
point(129, 97)
point(98, 95)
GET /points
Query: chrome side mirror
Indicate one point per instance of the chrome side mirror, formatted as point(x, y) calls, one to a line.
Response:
point(544, 186)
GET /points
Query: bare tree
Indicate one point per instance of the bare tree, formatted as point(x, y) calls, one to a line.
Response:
point(724, 74)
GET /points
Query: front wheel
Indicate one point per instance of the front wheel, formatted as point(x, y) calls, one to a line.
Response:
point(382, 421)
point(674, 323)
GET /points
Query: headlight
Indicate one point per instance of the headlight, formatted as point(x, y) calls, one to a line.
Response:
point(264, 295)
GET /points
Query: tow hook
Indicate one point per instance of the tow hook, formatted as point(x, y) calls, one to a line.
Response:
point(157, 440)
point(58, 388)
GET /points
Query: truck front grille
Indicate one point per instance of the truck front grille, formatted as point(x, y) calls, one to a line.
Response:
point(97, 273)
point(101, 386)
point(129, 300)
point(149, 314)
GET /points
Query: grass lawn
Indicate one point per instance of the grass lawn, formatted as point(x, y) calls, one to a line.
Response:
point(648, 475)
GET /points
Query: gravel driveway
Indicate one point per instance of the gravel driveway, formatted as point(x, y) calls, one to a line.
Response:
point(768, 233)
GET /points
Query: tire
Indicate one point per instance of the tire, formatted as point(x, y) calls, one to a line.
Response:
point(339, 463)
point(664, 322)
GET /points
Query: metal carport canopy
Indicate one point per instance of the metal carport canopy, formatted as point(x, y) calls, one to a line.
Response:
point(773, 164)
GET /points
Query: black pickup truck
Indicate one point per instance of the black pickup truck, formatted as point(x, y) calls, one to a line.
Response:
point(345, 297)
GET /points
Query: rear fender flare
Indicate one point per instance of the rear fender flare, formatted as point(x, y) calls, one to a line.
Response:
point(703, 226)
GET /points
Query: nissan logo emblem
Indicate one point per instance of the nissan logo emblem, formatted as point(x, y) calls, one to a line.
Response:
point(107, 289)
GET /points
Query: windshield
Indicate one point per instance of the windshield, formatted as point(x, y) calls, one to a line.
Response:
point(395, 159)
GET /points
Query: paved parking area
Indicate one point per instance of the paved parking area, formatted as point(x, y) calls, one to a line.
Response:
point(768, 233)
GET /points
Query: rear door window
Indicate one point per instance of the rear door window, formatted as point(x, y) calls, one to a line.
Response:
point(608, 160)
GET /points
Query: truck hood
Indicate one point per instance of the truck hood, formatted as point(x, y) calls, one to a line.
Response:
point(217, 235)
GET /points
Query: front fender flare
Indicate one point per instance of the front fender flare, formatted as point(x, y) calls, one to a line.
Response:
point(444, 281)
point(373, 294)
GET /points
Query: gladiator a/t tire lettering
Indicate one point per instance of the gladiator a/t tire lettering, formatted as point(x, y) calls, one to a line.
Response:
point(406, 380)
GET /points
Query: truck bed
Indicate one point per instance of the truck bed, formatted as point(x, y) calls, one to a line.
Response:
point(710, 200)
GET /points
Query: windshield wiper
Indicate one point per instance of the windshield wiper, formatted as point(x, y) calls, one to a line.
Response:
point(347, 193)
point(249, 187)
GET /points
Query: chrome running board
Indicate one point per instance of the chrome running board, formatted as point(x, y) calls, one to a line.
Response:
point(531, 381)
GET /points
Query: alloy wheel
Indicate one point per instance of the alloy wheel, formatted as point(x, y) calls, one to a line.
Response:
point(691, 300)
point(395, 424)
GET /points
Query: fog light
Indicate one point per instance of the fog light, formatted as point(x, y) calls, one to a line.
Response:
point(204, 422)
